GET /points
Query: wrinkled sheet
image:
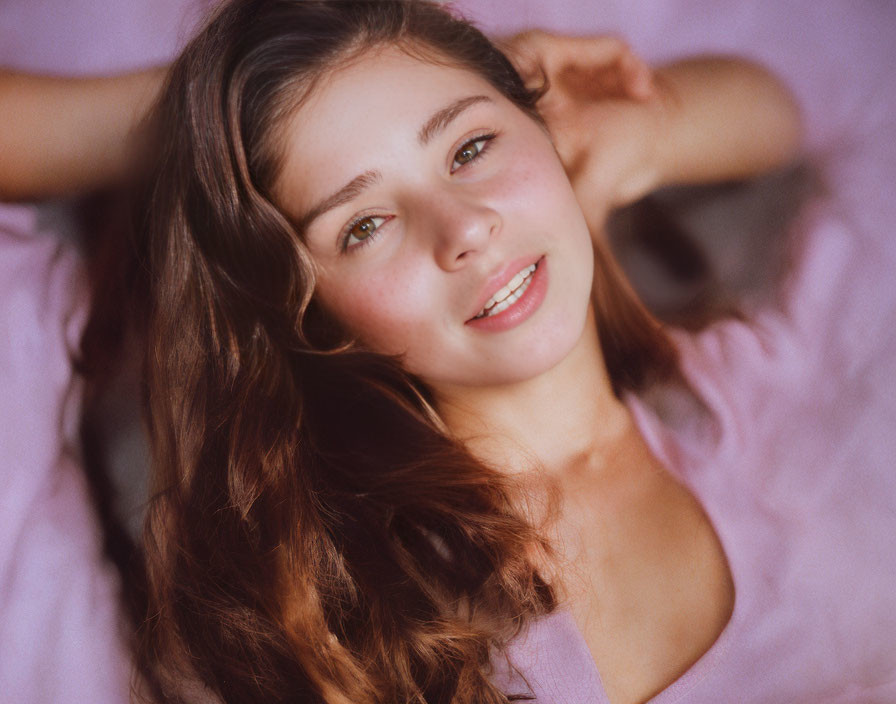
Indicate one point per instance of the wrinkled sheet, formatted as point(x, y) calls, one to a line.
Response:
point(60, 636)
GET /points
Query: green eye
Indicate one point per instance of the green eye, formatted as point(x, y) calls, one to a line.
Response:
point(362, 229)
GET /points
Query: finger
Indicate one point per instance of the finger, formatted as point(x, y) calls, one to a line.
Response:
point(602, 67)
point(636, 76)
point(524, 57)
point(556, 52)
point(569, 49)
point(626, 76)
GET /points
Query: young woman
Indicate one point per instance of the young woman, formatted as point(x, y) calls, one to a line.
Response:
point(390, 380)
point(379, 482)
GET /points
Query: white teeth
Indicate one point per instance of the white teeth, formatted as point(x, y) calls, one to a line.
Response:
point(509, 294)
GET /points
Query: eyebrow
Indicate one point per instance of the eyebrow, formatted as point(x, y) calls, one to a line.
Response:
point(349, 191)
point(433, 126)
point(438, 122)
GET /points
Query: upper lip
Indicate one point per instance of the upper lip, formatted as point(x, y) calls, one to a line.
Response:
point(500, 277)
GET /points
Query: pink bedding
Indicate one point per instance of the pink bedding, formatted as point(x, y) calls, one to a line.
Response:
point(59, 619)
point(61, 637)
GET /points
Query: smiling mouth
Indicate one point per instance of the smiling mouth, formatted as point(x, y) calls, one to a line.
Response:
point(508, 294)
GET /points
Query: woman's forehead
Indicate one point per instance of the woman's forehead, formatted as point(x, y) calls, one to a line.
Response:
point(388, 79)
point(383, 101)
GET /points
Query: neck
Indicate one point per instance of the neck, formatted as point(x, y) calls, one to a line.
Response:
point(565, 419)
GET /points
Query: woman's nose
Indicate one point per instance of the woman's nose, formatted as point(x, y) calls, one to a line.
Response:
point(462, 228)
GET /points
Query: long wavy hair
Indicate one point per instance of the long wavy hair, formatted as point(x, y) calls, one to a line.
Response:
point(314, 534)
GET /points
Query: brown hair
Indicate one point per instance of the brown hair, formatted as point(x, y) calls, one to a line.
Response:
point(314, 535)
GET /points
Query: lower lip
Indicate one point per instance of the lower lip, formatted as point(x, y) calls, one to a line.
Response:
point(524, 307)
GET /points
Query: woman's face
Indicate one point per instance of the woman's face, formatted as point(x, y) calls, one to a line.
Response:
point(427, 196)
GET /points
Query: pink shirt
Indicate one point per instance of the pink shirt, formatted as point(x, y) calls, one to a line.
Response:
point(795, 466)
point(795, 462)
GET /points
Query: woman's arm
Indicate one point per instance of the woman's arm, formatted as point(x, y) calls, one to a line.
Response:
point(64, 135)
point(725, 118)
point(623, 129)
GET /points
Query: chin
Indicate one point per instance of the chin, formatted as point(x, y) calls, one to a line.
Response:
point(548, 345)
point(554, 346)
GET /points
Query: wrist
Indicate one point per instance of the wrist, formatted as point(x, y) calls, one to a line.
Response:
point(650, 133)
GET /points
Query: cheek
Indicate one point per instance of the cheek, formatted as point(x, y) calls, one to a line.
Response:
point(381, 310)
point(537, 184)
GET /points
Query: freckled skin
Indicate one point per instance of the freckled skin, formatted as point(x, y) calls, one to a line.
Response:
point(410, 287)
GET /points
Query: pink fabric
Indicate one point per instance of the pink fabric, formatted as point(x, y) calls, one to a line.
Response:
point(59, 618)
point(795, 462)
point(795, 465)
point(92, 37)
point(61, 634)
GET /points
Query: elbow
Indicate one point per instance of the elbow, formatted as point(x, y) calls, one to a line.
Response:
point(780, 117)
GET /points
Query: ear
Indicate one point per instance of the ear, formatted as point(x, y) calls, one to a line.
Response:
point(582, 67)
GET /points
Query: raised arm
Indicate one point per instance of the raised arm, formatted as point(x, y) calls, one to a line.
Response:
point(623, 129)
point(64, 136)
point(726, 119)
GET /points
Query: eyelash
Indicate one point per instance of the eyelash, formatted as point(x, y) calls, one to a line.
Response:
point(344, 240)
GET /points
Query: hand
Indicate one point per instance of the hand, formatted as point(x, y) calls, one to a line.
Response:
point(603, 110)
